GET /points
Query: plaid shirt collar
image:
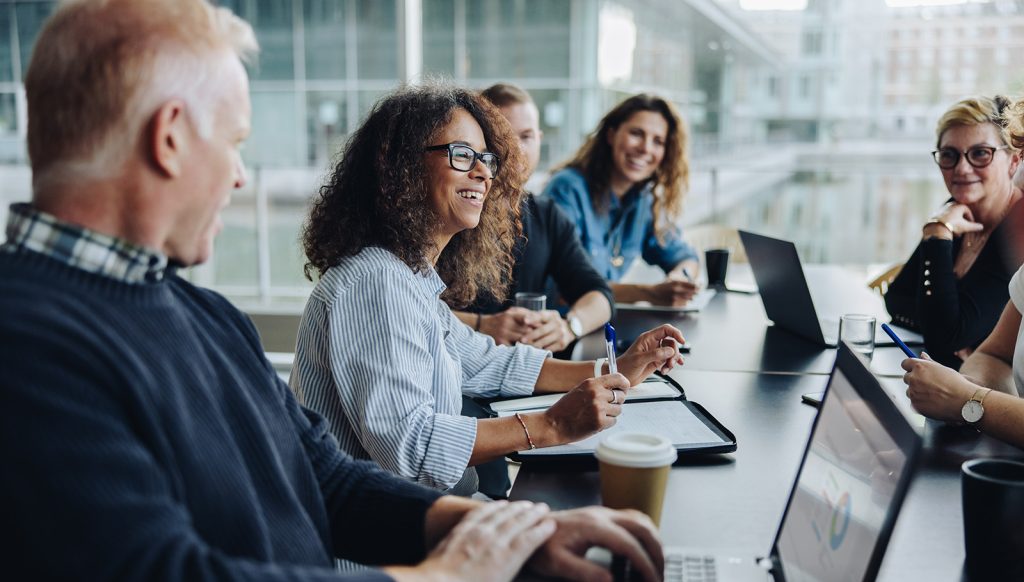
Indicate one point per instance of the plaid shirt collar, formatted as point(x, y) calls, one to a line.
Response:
point(32, 230)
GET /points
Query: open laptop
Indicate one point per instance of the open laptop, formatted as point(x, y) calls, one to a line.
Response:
point(852, 480)
point(787, 298)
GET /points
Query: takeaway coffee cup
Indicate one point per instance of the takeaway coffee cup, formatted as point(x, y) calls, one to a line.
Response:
point(716, 263)
point(993, 505)
point(634, 470)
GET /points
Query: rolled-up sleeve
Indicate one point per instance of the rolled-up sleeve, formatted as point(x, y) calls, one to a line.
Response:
point(383, 366)
point(491, 370)
point(669, 253)
point(569, 191)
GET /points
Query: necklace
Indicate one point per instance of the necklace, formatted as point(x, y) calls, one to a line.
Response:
point(617, 259)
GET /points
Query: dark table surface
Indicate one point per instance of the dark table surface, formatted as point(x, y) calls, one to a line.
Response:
point(751, 376)
point(733, 334)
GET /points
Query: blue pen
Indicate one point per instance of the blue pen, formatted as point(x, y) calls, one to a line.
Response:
point(910, 353)
point(609, 344)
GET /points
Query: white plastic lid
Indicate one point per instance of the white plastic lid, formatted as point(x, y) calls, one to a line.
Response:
point(635, 449)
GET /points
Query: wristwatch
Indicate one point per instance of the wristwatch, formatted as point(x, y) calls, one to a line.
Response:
point(575, 326)
point(973, 409)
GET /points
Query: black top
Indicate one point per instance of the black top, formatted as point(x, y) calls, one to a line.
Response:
point(549, 247)
point(144, 436)
point(952, 313)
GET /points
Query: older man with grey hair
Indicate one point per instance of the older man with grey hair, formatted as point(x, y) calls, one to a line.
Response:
point(143, 434)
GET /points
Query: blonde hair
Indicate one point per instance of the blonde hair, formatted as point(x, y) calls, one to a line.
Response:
point(1014, 116)
point(101, 68)
point(976, 111)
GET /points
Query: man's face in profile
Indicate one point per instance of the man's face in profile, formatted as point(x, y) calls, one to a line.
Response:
point(214, 167)
point(525, 121)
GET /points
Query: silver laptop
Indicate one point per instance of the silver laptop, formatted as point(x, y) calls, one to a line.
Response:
point(847, 494)
point(787, 298)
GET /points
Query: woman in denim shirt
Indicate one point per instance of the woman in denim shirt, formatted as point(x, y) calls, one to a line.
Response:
point(624, 190)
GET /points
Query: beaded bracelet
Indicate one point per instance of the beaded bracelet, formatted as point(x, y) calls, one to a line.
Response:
point(527, 431)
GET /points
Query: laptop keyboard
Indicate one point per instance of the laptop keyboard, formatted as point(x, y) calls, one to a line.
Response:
point(690, 568)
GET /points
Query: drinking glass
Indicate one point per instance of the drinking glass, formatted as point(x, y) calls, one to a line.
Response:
point(858, 331)
point(531, 301)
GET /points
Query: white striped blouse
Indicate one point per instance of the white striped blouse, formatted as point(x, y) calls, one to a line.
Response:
point(386, 362)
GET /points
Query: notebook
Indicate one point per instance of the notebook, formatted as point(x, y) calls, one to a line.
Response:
point(843, 505)
point(695, 304)
point(787, 298)
point(658, 406)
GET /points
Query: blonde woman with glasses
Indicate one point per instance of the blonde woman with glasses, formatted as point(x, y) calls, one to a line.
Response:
point(954, 284)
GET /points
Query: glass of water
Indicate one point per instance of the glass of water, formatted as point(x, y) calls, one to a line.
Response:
point(531, 301)
point(858, 331)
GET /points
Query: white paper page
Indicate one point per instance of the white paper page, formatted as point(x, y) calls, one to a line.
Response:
point(652, 387)
point(697, 303)
point(672, 420)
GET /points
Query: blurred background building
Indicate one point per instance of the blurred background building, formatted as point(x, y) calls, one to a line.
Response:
point(812, 122)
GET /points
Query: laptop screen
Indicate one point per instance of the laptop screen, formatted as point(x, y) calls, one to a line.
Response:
point(843, 493)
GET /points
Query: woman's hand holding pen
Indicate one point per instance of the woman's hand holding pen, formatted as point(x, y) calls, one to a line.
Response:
point(585, 410)
point(672, 292)
point(657, 349)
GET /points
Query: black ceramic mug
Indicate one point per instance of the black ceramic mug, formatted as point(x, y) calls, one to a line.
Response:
point(716, 263)
point(993, 506)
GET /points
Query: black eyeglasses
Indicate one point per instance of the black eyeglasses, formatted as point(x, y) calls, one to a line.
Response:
point(977, 156)
point(463, 158)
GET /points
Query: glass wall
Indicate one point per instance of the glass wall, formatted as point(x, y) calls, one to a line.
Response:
point(751, 85)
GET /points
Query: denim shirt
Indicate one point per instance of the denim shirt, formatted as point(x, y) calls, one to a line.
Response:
point(626, 230)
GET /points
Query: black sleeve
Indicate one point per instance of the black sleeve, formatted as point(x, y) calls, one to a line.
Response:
point(569, 264)
point(953, 314)
point(901, 298)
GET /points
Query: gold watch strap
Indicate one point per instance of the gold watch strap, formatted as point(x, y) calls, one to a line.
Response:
point(975, 398)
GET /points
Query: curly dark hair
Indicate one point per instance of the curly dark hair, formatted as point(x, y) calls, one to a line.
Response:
point(672, 178)
point(377, 195)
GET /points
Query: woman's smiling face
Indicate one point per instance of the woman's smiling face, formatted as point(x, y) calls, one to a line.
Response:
point(457, 197)
point(638, 147)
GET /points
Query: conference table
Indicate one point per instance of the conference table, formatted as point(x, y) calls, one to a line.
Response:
point(751, 376)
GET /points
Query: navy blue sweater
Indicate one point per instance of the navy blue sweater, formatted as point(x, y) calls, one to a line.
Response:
point(143, 436)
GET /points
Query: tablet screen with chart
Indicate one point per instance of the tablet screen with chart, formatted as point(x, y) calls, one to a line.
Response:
point(843, 492)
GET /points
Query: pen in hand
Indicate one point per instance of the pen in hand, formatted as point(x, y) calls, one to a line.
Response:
point(609, 344)
point(910, 353)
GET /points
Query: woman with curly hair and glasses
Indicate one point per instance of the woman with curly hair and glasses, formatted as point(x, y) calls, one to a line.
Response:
point(953, 286)
point(422, 205)
point(624, 189)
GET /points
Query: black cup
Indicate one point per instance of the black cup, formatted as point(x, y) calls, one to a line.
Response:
point(993, 505)
point(716, 263)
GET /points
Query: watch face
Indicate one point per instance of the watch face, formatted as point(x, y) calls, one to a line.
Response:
point(972, 411)
point(575, 326)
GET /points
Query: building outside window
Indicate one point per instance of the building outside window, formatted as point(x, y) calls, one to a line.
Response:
point(750, 84)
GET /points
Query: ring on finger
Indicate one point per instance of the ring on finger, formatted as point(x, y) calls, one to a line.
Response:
point(615, 396)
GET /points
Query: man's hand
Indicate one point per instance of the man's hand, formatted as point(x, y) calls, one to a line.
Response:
point(587, 409)
point(656, 349)
point(627, 533)
point(934, 390)
point(489, 544)
point(509, 326)
point(672, 292)
point(551, 332)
